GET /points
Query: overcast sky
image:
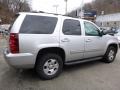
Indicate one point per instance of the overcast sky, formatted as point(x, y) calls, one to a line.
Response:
point(49, 5)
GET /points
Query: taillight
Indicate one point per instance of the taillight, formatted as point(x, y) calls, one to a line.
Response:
point(14, 43)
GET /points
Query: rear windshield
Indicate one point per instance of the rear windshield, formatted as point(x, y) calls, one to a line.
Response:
point(38, 25)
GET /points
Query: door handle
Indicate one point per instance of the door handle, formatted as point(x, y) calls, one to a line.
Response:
point(88, 40)
point(65, 40)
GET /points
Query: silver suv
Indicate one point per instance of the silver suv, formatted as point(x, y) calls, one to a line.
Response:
point(47, 42)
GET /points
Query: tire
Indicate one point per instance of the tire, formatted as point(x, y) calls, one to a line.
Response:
point(110, 55)
point(49, 66)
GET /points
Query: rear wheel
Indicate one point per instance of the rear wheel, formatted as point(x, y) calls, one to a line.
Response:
point(110, 54)
point(49, 66)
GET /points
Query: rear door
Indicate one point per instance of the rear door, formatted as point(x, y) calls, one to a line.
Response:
point(37, 32)
point(71, 39)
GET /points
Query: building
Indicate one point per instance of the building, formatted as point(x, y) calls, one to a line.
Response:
point(109, 20)
point(84, 14)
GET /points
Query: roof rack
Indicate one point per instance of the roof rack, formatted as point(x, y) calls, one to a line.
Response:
point(47, 13)
point(51, 13)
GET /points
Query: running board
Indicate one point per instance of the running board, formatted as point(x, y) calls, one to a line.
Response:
point(82, 61)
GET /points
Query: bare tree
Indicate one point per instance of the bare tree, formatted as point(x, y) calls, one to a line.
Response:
point(88, 6)
point(108, 6)
point(8, 8)
point(16, 5)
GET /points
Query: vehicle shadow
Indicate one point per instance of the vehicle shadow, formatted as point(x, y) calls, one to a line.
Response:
point(31, 74)
point(16, 79)
point(80, 66)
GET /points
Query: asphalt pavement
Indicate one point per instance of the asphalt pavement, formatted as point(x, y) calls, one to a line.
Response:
point(87, 76)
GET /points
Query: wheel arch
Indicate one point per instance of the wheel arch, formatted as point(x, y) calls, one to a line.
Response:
point(114, 45)
point(56, 50)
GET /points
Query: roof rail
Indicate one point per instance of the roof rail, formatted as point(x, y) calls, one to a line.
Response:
point(49, 13)
point(46, 13)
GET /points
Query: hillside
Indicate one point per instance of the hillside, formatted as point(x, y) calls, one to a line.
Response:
point(108, 6)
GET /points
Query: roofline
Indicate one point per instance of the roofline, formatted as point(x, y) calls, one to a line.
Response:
point(41, 12)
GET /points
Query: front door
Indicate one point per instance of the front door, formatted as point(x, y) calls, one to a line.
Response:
point(93, 41)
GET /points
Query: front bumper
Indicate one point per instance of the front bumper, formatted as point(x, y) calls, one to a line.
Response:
point(20, 60)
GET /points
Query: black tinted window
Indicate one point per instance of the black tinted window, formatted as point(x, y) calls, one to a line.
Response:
point(71, 27)
point(38, 24)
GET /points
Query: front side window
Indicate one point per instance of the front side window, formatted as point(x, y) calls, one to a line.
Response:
point(38, 24)
point(71, 27)
point(90, 29)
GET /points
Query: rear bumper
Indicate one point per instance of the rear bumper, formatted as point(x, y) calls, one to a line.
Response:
point(21, 60)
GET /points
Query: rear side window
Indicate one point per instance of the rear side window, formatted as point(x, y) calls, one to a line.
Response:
point(71, 27)
point(38, 25)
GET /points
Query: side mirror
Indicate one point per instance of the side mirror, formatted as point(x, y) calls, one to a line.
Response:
point(101, 33)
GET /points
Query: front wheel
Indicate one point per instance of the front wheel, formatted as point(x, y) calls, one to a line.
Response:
point(110, 54)
point(49, 66)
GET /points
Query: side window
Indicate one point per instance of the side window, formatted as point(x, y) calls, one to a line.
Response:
point(71, 27)
point(38, 24)
point(90, 29)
